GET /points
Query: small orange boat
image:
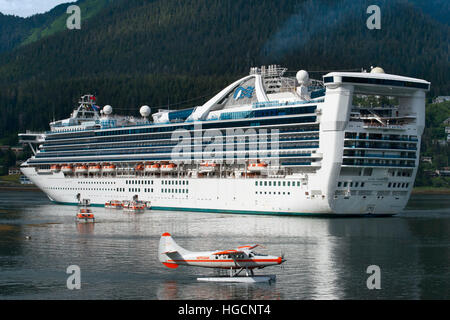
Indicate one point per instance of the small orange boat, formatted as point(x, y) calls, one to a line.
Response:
point(168, 167)
point(55, 168)
point(257, 167)
point(67, 168)
point(115, 204)
point(109, 167)
point(152, 167)
point(85, 215)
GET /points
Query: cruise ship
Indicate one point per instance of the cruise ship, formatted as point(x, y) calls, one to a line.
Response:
point(268, 143)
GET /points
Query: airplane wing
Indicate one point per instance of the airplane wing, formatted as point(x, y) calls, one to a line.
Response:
point(238, 250)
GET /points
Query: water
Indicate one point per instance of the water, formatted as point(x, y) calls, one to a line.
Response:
point(327, 258)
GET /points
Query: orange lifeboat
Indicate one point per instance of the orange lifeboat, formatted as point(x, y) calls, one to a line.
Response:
point(208, 166)
point(139, 167)
point(134, 206)
point(85, 215)
point(109, 167)
point(81, 169)
point(67, 168)
point(257, 167)
point(115, 204)
point(94, 168)
point(152, 167)
point(55, 168)
point(168, 167)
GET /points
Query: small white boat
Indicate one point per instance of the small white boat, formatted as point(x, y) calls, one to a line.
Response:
point(168, 167)
point(109, 168)
point(67, 168)
point(133, 206)
point(114, 204)
point(152, 167)
point(55, 168)
point(94, 168)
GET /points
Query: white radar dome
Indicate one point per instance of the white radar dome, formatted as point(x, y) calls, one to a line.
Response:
point(144, 111)
point(377, 70)
point(107, 109)
point(302, 77)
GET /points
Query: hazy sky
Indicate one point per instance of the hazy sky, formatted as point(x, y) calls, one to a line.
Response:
point(26, 8)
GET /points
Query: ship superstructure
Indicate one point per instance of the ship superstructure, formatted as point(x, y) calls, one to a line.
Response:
point(265, 144)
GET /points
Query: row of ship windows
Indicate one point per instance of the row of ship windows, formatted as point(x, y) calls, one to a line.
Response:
point(163, 182)
point(90, 140)
point(220, 125)
point(172, 144)
point(350, 184)
point(398, 185)
point(361, 185)
point(275, 192)
point(242, 148)
point(168, 190)
point(401, 173)
point(96, 182)
point(139, 182)
point(138, 189)
point(379, 136)
point(279, 183)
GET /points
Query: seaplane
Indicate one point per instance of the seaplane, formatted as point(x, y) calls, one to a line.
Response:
point(235, 260)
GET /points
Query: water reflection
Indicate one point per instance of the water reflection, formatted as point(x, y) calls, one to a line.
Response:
point(326, 258)
point(174, 290)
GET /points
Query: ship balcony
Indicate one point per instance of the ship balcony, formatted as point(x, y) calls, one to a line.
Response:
point(379, 156)
point(365, 162)
point(383, 127)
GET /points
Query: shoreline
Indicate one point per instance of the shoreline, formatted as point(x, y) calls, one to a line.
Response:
point(19, 188)
point(420, 190)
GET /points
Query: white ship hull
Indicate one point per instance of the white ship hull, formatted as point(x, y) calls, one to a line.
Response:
point(217, 195)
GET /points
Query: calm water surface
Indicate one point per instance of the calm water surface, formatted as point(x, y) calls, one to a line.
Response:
point(327, 258)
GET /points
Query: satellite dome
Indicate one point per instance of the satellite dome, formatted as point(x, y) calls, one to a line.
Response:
point(144, 111)
point(107, 109)
point(377, 70)
point(302, 77)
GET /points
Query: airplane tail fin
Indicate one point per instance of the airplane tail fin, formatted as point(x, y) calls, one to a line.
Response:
point(168, 250)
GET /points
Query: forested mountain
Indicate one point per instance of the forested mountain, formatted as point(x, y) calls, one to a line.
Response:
point(160, 52)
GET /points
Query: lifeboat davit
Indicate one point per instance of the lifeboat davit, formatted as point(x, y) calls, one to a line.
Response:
point(109, 167)
point(81, 169)
point(67, 168)
point(152, 167)
point(168, 167)
point(94, 168)
point(55, 168)
point(257, 167)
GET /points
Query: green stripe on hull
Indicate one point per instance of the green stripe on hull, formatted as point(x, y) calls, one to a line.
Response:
point(304, 214)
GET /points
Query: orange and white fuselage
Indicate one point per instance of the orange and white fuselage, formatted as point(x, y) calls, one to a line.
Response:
point(172, 255)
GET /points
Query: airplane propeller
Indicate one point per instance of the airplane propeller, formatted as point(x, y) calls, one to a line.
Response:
point(282, 259)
